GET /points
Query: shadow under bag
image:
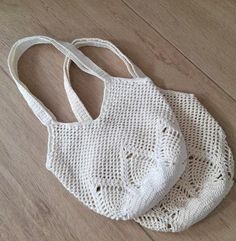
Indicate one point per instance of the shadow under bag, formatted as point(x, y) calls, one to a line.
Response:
point(208, 176)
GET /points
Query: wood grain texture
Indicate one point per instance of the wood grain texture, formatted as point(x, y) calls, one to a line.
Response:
point(33, 205)
point(204, 31)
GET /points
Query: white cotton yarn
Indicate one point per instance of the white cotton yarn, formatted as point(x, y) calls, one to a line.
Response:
point(208, 176)
point(125, 161)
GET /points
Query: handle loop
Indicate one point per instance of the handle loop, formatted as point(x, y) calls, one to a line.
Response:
point(75, 102)
point(72, 53)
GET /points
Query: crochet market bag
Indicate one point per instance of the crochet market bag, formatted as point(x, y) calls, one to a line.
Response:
point(208, 176)
point(122, 163)
point(209, 173)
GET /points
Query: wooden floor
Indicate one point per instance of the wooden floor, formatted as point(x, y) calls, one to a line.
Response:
point(183, 45)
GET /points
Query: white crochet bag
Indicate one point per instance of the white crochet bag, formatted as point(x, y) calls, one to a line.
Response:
point(125, 161)
point(208, 176)
point(209, 173)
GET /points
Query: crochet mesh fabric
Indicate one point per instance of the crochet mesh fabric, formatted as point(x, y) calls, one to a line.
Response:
point(125, 161)
point(122, 163)
point(209, 173)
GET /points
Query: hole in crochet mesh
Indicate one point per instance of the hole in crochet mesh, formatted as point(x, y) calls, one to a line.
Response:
point(197, 189)
point(164, 130)
point(169, 226)
point(229, 174)
point(220, 177)
point(98, 188)
point(190, 157)
point(129, 155)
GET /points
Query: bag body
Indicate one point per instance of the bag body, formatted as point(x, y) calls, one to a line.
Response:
point(125, 161)
point(208, 176)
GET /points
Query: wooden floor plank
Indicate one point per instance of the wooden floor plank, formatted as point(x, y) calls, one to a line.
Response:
point(34, 205)
point(204, 31)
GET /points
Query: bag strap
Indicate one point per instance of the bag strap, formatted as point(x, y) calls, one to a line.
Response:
point(72, 53)
point(95, 42)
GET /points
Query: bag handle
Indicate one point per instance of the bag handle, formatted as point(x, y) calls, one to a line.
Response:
point(95, 42)
point(72, 53)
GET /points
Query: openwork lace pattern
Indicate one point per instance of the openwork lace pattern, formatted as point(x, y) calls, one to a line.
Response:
point(124, 162)
point(208, 176)
point(153, 155)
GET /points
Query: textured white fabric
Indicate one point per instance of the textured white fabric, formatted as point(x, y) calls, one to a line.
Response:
point(208, 176)
point(122, 163)
point(209, 173)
